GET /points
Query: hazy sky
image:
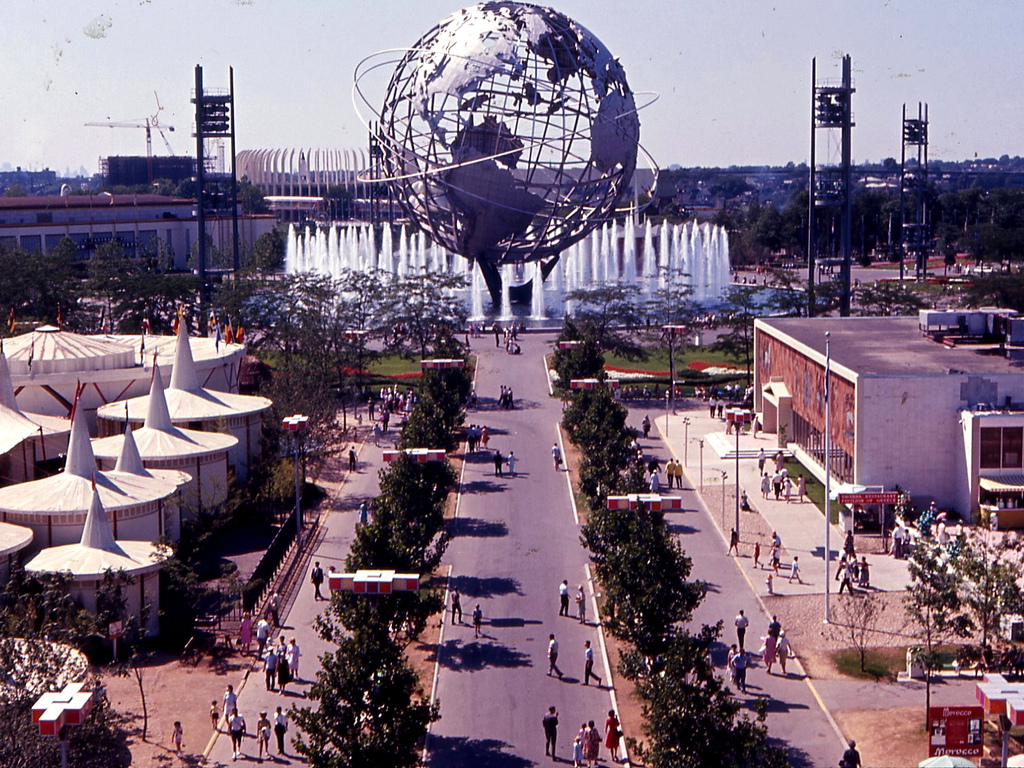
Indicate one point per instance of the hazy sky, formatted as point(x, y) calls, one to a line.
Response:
point(732, 76)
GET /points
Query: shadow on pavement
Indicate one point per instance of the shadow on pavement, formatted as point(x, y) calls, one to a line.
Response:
point(797, 757)
point(474, 586)
point(473, 656)
point(513, 621)
point(681, 530)
point(483, 486)
point(474, 526)
point(462, 752)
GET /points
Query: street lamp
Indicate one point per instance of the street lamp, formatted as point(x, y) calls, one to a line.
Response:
point(737, 427)
point(724, 475)
point(668, 397)
point(670, 331)
point(701, 442)
point(297, 424)
point(828, 473)
point(686, 440)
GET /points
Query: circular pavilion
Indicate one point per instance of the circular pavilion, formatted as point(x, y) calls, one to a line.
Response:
point(163, 446)
point(191, 405)
point(13, 539)
point(29, 442)
point(97, 552)
point(55, 508)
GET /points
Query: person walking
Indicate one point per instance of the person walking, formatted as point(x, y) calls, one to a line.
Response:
point(794, 570)
point(364, 513)
point(734, 542)
point(553, 657)
point(294, 654)
point(352, 459)
point(770, 653)
point(236, 727)
point(456, 605)
point(563, 598)
point(550, 725)
point(498, 461)
point(478, 620)
point(262, 633)
point(766, 485)
point(588, 664)
point(851, 757)
point(782, 650)
point(284, 670)
point(556, 456)
point(511, 461)
point(646, 424)
point(757, 554)
point(801, 488)
point(581, 605)
point(317, 577)
point(485, 436)
point(280, 729)
point(577, 751)
point(739, 667)
point(777, 485)
point(230, 700)
point(761, 458)
point(741, 622)
point(864, 574)
point(263, 735)
point(592, 745)
point(775, 627)
point(176, 734)
point(270, 668)
point(245, 634)
point(214, 715)
point(275, 608)
point(612, 735)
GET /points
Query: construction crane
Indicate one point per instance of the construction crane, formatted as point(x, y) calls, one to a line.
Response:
point(149, 123)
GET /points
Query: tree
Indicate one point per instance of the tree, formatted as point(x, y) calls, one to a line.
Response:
point(933, 601)
point(581, 361)
point(421, 310)
point(369, 710)
point(856, 620)
point(690, 718)
point(990, 574)
point(886, 298)
point(96, 743)
point(267, 253)
point(604, 312)
point(738, 340)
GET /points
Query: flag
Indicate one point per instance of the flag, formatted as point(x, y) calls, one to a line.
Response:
point(10, 322)
point(60, 320)
point(216, 341)
point(177, 323)
point(240, 334)
point(212, 322)
point(31, 353)
point(229, 332)
point(145, 326)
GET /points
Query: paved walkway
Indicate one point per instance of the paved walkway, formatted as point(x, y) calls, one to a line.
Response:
point(800, 525)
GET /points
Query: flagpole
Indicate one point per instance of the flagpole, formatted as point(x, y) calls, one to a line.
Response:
point(828, 473)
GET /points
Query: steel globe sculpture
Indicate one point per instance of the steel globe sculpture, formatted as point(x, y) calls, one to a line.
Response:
point(508, 132)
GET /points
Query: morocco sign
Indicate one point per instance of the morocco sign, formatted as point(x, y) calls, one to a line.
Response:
point(870, 497)
point(955, 731)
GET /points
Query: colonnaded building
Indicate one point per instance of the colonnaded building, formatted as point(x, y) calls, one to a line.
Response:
point(932, 404)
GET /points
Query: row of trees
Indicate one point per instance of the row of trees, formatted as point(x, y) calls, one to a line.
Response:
point(691, 718)
point(369, 708)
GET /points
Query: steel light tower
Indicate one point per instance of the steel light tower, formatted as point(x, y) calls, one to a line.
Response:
point(913, 181)
point(830, 183)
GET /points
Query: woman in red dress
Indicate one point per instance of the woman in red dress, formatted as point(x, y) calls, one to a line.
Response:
point(612, 734)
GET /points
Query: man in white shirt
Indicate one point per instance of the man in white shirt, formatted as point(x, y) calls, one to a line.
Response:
point(742, 622)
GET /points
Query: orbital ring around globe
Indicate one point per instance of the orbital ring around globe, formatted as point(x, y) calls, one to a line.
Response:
point(508, 132)
point(367, 175)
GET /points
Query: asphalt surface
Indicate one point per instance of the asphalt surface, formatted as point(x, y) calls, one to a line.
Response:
point(516, 541)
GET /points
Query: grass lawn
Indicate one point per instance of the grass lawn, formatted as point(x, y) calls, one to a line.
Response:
point(657, 359)
point(881, 663)
point(815, 490)
point(393, 365)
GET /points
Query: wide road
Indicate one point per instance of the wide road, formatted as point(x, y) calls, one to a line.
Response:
point(516, 539)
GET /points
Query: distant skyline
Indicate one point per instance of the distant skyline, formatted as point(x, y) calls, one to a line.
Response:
point(732, 77)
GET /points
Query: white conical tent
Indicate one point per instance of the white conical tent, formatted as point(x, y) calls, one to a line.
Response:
point(129, 461)
point(98, 552)
point(25, 438)
point(161, 445)
point(188, 404)
point(55, 508)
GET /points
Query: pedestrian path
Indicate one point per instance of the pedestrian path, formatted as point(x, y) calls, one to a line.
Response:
point(701, 443)
point(338, 530)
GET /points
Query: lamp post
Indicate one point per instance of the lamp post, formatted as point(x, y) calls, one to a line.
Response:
point(738, 427)
point(724, 475)
point(828, 474)
point(668, 397)
point(297, 424)
point(701, 442)
point(686, 440)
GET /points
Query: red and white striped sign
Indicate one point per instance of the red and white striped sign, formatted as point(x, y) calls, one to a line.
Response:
point(568, 344)
point(593, 383)
point(441, 363)
point(419, 455)
point(373, 582)
point(295, 423)
point(56, 709)
point(652, 501)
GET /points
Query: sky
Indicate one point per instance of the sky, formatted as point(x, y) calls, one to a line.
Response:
point(731, 78)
